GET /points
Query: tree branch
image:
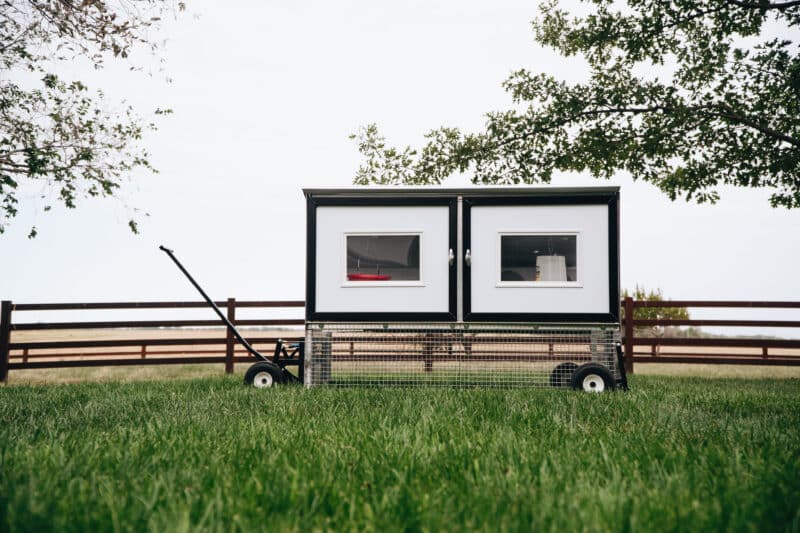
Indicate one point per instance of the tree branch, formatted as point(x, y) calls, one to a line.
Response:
point(729, 113)
point(765, 4)
point(720, 111)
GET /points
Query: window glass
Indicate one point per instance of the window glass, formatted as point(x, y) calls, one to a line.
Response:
point(538, 258)
point(383, 257)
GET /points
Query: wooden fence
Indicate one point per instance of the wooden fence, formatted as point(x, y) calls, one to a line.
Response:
point(17, 354)
point(736, 351)
point(161, 350)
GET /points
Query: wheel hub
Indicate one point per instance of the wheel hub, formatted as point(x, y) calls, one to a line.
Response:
point(593, 383)
point(262, 380)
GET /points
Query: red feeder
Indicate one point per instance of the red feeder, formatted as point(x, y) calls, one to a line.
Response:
point(368, 277)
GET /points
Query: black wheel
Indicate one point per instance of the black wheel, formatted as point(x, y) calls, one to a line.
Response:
point(263, 375)
point(593, 377)
point(562, 374)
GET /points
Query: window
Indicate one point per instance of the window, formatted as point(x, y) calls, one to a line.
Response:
point(539, 258)
point(383, 258)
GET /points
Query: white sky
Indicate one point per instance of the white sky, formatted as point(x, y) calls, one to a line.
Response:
point(265, 95)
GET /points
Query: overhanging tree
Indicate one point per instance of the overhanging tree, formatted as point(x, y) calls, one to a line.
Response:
point(687, 95)
point(55, 132)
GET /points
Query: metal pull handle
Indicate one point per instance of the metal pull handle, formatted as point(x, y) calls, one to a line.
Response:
point(468, 258)
point(451, 257)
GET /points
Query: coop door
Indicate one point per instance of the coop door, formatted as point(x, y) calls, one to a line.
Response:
point(384, 262)
point(538, 262)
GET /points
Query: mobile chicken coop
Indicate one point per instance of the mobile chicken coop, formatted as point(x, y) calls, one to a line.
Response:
point(463, 287)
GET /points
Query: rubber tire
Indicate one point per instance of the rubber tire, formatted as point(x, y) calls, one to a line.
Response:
point(562, 375)
point(263, 366)
point(588, 369)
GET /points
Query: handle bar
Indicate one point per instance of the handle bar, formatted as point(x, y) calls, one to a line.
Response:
point(216, 309)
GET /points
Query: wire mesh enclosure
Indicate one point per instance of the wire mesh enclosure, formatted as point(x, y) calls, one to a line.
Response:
point(455, 354)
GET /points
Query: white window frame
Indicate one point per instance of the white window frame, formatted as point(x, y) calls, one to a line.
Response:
point(539, 284)
point(377, 283)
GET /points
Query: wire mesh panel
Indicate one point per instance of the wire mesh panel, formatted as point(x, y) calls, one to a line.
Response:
point(454, 354)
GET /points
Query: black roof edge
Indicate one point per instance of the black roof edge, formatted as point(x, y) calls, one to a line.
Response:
point(373, 191)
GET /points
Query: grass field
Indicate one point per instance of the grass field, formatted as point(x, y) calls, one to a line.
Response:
point(674, 454)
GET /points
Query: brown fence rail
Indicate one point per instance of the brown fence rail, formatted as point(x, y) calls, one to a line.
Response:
point(17, 354)
point(722, 350)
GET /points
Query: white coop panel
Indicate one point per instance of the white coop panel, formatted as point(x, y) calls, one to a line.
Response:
point(382, 259)
point(549, 259)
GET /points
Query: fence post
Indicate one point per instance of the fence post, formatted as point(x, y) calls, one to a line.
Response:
point(230, 342)
point(5, 338)
point(629, 335)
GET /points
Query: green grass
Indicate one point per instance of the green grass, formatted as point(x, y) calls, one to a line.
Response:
point(675, 454)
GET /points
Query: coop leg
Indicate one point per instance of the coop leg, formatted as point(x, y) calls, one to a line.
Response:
point(324, 359)
point(594, 343)
point(427, 352)
point(601, 342)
